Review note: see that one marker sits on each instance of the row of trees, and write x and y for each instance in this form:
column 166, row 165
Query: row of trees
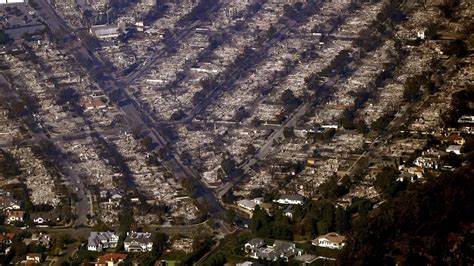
column 199, row 12
column 245, row 60
column 369, row 40
column 390, row 15
column 348, row 118
column 116, row 159
column 312, row 219
column 338, row 65
column 416, row 85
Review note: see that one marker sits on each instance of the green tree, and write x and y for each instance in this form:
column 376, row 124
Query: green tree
column 230, row 216
column 361, row 127
column 147, row 142
column 126, row 219
column 229, row 197
column 241, row 114
column 4, row 37
column 67, row 95
column 331, row 188
column 310, row 226
column 386, row 182
column 216, row 259
column 159, row 242
column 419, row 220
column 323, row 227
column 260, row 223
column 456, row 48
column 251, row 149
column 411, row 89
column 347, row 119
column 289, row 98
column 33, row 4
column 382, row 122
column 178, row 115
column 8, row 165
column 228, row 165
column 452, row 159
column 342, row 220
column 328, row 216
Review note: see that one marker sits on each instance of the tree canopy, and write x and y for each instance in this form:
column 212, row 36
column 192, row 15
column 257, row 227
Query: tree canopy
column 426, row 225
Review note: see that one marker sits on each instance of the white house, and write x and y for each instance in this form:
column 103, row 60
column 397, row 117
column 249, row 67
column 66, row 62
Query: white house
column 257, row 249
column 426, row 162
column 247, row 263
column 7, row 202
column 466, row 119
column 33, row 258
column 330, row 240
column 106, row 31
column 252, row 247
column 291, row 199
column 5, row 2
column 289, row 212
column 454, row 148
column 10, row 204
column 138, row 242
column 99, row 241
column 247, row 204
column 44, row 217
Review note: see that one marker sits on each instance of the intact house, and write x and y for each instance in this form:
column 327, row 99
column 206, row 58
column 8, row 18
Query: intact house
column 248, row 263
column 250, row 205
column 426, row 162
column 7, row 202
column 39, row 239
column 138, row 242
column 455, row 138
column 99, row 241
column 454, row 148
column 330, row 240
column 306, row 259
column 280, row 250
column 111, row 259
column 107, row 31
column 254, row 244
column 466, row 119
column 90, row 104
column 247, row 204
column 14, row 216
column 289, row 212
column 293, row 199
column 33, row 258
column 42, row 218
column 6, row 238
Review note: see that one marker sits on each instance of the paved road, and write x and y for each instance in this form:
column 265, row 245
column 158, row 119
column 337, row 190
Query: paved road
column 82, row 205
column 162, row 51
column 155, row 57
column 131, row 110
column 266, row 148
column 71, row 137
column 55, row 23
column 278, row 134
